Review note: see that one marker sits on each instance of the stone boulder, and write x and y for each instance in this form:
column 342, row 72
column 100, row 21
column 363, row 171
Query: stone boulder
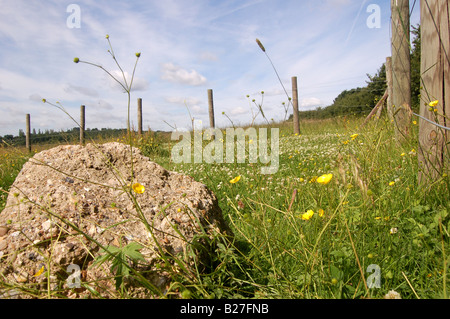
column 71, row 202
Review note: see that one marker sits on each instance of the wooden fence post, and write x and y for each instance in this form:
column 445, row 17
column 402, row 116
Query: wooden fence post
column 139, row 116
column 295, row 105
column 82, row 123
column 389, row 88
column 28, row 130
column 433, row 153
column 211, row 108
column 377, row 109
column 401, row 68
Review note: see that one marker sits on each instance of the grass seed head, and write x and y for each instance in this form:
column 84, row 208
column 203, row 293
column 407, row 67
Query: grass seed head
column 260, row 45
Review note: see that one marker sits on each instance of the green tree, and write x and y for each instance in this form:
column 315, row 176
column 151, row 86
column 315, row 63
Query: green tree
column 415, row 68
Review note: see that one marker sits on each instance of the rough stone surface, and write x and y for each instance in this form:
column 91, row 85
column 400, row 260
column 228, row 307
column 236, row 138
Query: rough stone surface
column 90, row 188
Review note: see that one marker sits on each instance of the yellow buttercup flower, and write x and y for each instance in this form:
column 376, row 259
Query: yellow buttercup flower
column 321, row 212
column 391, row 183
column 309, row 213
column 138, row 188
column 235, row 180
column 433, row 103
column 354, row 136
column 324, row 179
column 39, row 272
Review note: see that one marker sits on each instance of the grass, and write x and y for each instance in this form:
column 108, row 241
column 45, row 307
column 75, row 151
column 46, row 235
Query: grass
column 374, row 214
column 375, row 219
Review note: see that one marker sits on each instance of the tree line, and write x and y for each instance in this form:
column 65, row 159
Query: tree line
column 68, row 136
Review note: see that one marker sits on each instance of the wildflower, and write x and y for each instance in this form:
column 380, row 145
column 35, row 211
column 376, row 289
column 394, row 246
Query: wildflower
column 138, row 188
column 107, row 36
column 393, row 230
column 39, row 272
column 76, row 60
column 44, row 100
column 324, row 179
column 309, row 213
column 138, row 54
column 391, row 183
column 235, row 180
column 433, row 103
column 392, row 294
column 353, row 136
column 415, row 122
column 402, row 154
column 321, row 212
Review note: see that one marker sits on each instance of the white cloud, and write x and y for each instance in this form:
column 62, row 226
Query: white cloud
column 309, row 102
column 183, row 100
column 83, row 90
column 139, row 84
column 192, row 103
column 176, row 74
column 208, row 56
column 35, row 97
column 102, row 104
column 239, row 110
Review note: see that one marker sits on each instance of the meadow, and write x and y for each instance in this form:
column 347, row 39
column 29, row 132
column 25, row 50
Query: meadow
column 364, row 231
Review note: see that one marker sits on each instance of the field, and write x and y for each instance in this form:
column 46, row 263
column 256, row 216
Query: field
column 369, row 231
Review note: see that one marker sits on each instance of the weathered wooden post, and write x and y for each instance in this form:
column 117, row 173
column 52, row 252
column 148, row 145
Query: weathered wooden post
column 295, row 105
column 401, row 68
column 27, row 134
column 211, row 108
column 139, row 116
column 82, row 123
column 390, row 92
column 433, row 152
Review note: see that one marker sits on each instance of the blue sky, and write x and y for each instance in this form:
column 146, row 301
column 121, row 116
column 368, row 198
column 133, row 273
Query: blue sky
column 187, row 47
